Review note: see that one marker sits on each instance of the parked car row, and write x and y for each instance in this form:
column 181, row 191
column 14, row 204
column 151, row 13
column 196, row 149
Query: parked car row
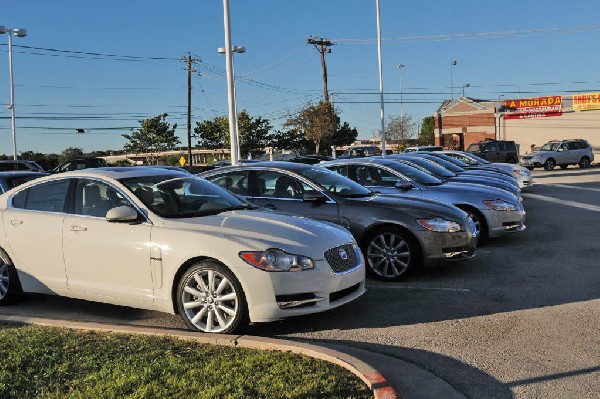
column 254, row 242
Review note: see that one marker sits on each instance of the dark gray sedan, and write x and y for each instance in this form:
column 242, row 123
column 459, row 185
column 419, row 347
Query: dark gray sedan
column 396, row 235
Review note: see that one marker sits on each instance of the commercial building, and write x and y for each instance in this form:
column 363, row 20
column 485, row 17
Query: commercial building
column 529, row 122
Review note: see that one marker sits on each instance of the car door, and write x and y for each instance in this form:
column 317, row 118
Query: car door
column 33, row 223
column 284, row 192
column 102, row 258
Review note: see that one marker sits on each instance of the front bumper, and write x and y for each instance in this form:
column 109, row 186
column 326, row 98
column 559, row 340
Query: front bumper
column 277, row 295
column 442, row 247
column 504, row 222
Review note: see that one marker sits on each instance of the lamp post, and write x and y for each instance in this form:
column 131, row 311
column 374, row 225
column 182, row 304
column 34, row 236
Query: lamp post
column 228, row 50
column 399, row 67
column 380, row 78
column 465, row 86
column 17, row 33
column 452, row 79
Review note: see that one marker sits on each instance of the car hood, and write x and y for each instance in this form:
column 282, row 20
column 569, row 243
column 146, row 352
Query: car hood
column 475, row 189
column 424, row 207
column 541, row 153
column 261, row 230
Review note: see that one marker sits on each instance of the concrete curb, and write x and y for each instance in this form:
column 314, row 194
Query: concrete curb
column 373, row 378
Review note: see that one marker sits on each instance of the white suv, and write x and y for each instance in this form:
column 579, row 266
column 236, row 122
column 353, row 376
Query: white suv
column 562, row 153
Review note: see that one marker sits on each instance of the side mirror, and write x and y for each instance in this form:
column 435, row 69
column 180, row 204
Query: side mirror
column 315, row 197
column 122, row 214
column 403, row 185
column 560, row 149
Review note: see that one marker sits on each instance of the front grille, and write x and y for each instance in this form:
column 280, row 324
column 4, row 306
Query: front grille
column 336, row 296
column 341, row 258
column 526, row 157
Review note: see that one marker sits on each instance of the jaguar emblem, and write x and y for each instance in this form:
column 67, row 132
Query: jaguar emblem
column 343, row 254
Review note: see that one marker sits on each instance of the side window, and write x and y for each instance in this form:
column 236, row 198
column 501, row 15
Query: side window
column 236, row 182
column 510, row 146
column 5, row 166
column 492, row 147
column 373, row 176
column 340, row 169
column 501, row 146
column 47, row 197
column 93, row 198
column 278, row 185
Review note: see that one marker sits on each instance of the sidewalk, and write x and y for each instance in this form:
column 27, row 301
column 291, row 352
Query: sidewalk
column 388, row 377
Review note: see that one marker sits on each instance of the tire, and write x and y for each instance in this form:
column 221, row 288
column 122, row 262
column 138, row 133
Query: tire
column 584, row 163
column 511, row 160
column 479, row 221
column 210, row 299
column 550, row 164
column 391, row 254
column 563, row 166
column 530, row 167
column 10, row 287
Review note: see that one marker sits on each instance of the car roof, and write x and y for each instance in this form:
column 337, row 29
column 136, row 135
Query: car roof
column 294, row 166
column 377, row 159
column 124, row 172
column 22, row 173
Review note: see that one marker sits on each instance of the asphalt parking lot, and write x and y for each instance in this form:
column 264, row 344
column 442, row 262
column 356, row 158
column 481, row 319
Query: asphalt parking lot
column 519, row 320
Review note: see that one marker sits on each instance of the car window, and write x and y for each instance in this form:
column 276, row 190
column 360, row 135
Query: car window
column 473, row 148
column 6, row 166
column 93, row 198
column 552, row 146
column 236, row 182
column 374, row 176
column 18, row 180
column 48, row 197
column 510, row 146
column 279, row 185
column 492, row 147
column 415, row 174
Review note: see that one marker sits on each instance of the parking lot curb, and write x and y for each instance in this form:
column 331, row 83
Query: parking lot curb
column 382, row 388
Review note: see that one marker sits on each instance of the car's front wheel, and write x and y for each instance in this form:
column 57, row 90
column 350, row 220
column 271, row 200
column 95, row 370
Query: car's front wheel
column 584, row 163
column 550, row 164
column 391, row 254
column 10, row 287
column 210, row 299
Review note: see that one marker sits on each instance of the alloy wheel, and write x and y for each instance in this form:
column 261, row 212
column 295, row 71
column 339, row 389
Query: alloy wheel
column 4, row 279
column 389, row 255
column 210, row 301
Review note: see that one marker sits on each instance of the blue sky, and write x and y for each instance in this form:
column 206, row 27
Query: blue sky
column 58, row 92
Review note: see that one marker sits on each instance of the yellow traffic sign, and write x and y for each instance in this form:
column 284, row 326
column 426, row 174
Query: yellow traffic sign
column 182, row 161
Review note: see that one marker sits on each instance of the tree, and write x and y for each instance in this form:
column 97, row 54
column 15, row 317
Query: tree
column 213, row 134
column 70, row 153
column 426, row 135
column 254, row 134
column 155, row 135
column 344, row 135
column 291, row 140
column 315, row 122
column 399, row 129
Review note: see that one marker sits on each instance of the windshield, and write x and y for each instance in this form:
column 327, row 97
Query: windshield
column 443, row 163
column 478, row 159
column 336, row 183
column 550, row 146
column 415, row 174
column 473, row 148
column 182, row 197
column 431, row 167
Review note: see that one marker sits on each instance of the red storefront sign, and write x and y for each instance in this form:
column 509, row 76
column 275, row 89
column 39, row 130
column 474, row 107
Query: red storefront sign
column 539, row 107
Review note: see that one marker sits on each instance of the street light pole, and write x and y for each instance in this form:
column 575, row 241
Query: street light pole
column 399, row 67
column 233, row 126
column 464, row 86
column 380, row 79
column 18, row 33
column 452, row 79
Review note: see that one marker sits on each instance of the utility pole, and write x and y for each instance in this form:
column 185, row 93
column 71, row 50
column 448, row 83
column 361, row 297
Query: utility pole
column 189, row 60
column 322, row 47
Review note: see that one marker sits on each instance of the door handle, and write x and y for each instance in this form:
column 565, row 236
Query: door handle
column 270, row 206
column 16, row 222
column 78, row 228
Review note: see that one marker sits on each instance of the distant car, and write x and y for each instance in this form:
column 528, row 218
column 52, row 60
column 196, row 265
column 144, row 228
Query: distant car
column 562, row 153
column 424, row 148
column 495, row 212
column 396, row 235
column 20, row 164
column 79, row 164
column 495, row 151
column 361, row 151
column 163, row 240
column 10, row 180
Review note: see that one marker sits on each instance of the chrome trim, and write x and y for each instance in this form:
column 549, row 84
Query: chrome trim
column 293, row 304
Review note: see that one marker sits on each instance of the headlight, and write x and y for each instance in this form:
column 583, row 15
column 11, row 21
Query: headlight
column 440, row 225
column 276, row 260
column 499, row 205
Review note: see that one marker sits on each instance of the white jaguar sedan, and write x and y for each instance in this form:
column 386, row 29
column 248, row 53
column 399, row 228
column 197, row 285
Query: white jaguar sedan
column 163, row 240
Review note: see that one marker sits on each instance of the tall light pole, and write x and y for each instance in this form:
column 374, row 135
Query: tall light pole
column 399, row 67
column 465, row 86
column 231, row 95
column 380, row 78
column 452, row 79
column 17, row 33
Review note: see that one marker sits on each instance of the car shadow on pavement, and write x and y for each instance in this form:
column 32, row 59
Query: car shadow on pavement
column 567, row 172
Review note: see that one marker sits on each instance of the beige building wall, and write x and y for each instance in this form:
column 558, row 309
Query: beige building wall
column 537, row 131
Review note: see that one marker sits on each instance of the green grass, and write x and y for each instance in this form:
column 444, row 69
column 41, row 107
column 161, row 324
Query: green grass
column 43, row 362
